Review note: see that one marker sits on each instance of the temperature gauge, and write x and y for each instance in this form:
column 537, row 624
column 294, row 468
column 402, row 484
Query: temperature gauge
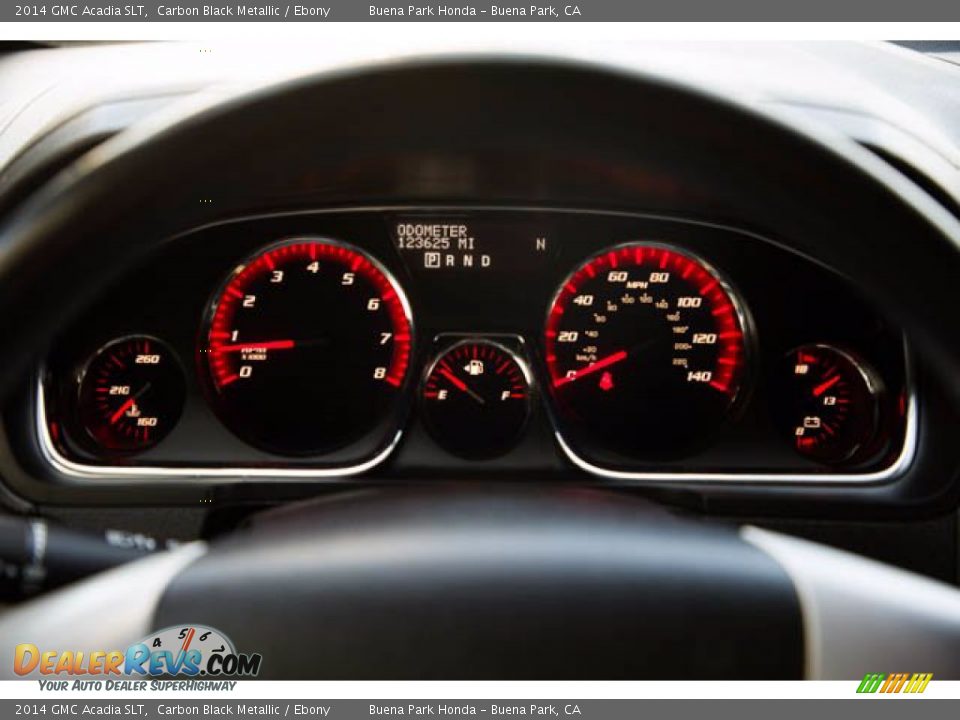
column 131, row 394
column 828, row 401
column 476, row 399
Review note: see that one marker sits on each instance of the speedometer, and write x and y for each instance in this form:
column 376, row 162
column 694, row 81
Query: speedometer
column 306, row 346
column 646, row 351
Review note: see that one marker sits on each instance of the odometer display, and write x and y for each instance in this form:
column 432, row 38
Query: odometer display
column 306, row 346
column 645, row 349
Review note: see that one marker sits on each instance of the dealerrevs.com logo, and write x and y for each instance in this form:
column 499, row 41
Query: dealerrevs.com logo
column 911, row 683
column 192, row 651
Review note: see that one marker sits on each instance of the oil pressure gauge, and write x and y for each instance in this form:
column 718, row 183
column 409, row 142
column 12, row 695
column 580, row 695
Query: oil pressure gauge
column 828, row 403
column 476, row 399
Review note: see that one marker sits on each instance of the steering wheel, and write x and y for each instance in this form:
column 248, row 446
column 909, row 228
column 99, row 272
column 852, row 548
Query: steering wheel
column 505, row 583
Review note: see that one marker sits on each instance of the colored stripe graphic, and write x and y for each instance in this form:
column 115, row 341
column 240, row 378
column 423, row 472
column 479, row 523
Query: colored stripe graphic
column 913, row 683
column 871, row 682
column 919, row 682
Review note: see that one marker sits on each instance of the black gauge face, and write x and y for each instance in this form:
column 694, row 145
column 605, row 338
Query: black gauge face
column 131, row 394
column 646, row 350
column 827, row 403
column 476, row 399
column 307, row 346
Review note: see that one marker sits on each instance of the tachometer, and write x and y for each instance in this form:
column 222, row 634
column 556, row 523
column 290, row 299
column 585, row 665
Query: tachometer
column 646, row 350
column 307, row 345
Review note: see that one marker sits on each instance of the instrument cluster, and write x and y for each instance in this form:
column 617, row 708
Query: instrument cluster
column 424, row 341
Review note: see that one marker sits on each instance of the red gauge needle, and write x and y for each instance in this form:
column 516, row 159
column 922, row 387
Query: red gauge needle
column 123, row 408
column 127, row 405
column 592, row 368
column 268, row 345
column 826, row 385
column 461, row 385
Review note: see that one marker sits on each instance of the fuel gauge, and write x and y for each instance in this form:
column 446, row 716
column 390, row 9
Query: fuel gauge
column 828, row 403
column 476, row 399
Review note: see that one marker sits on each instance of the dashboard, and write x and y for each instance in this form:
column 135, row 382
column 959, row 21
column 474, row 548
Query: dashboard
column 548, row 309
column 481, row 341
column 492, row 294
